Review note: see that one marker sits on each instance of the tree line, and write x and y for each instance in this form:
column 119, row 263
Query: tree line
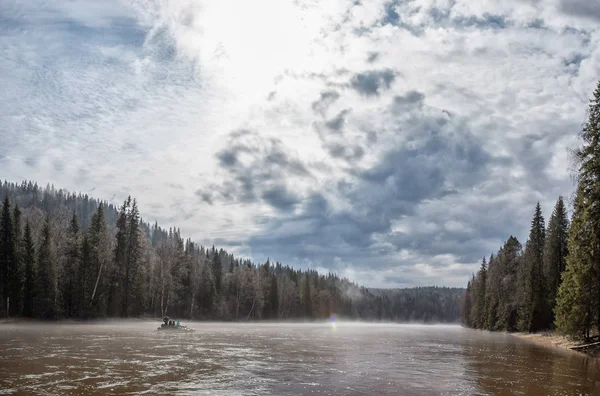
column 64, row 255
column 554, row 282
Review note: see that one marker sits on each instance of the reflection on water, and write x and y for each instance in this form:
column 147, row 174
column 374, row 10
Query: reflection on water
column 285, row 359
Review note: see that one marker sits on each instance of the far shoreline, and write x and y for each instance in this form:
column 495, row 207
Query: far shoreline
column 550, row 338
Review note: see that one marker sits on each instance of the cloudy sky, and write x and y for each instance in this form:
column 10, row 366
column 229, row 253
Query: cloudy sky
column 394, row 142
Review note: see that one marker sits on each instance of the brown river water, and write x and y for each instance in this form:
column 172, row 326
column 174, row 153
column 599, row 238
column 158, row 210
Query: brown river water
column 284, row 359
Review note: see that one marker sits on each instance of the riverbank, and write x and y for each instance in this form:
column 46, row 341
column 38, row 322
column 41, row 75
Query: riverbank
column 557, row 340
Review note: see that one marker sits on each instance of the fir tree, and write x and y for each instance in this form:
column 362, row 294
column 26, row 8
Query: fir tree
column 46, row 276
column 7, row 254
column 217, row 271
column 84, row 278
column 575, row 304
column 555, row 253
column 131, row 288
column 69, row 274
column 466, row 314
column 15, row 275
column 274, row 297
column 531, row 293
column 98, row 236
column 509, row 261
column 479, row 288
column 306, row 298
column 29, row 284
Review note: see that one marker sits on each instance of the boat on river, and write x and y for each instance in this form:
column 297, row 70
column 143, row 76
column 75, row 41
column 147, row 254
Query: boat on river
column 180, row 329
column 171, row 325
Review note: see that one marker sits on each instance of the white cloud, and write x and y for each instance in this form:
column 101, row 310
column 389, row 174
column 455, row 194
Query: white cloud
column 131, row 97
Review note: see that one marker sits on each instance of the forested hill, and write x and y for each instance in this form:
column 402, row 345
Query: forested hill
column 64, row 255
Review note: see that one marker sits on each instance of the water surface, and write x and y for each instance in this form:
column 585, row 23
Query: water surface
column 285, row 359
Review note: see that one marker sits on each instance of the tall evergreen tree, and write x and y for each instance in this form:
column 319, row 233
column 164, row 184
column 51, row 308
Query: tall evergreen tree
column 306, row 297
column 509, row 261
column 130, row 273
column 30, row 278
column 555, row 253
column 466, row 313
column 478, row 290
column 84, row 278
column 217, row 271
column 99, row 257
column 575, row 306
column 15, row 275
column 117, row 272
column 46, row 276
column 70, row 269
column 127, row 259
column 7, row 253
column 531, row 288
column 273, row 297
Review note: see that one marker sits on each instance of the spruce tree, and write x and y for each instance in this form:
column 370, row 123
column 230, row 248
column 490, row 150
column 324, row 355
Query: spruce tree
column 15, row 274
column 274, row 297
column 555, row 253
column 575, row 305
column 306, row 299
column 84, row 278
column 30, row 278
column 217, row 270
column 98, row 236
column 117, row 273
column 7, row 254
column 479, row 287
column 133, row 275
column 531, row 295
column 69, row 275
column 45, row 306
column 509, row 261
column 466, row 314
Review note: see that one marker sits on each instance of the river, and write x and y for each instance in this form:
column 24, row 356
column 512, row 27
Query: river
column 284, row 359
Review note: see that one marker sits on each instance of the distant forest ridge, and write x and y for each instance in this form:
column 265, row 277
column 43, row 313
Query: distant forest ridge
column 65, row 255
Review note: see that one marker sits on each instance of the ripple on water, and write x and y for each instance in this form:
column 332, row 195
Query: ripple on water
column 286, row 360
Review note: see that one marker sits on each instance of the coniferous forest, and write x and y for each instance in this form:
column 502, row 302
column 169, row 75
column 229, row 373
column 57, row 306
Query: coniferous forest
column 66, row 255
column 553, row 282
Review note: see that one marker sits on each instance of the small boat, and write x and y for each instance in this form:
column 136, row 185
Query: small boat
column 180, row 329
column 171, row 325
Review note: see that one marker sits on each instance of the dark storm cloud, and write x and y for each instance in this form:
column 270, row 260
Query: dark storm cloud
column 257, row 168
column 327, row 98
column 442, row 159
column 411, row 98
column 349, row 153
column 391, row 16
column 280, row 197
column 369, row 83
column 373, row 56
column 336, row 124
column 204, row 196
column 583, row 8
column 488, row 21
column 227, row 158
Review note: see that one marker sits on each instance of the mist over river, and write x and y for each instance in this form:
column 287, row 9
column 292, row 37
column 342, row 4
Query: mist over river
column 114, row 358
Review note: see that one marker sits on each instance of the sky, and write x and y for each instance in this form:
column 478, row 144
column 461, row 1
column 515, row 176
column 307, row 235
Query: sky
column 393, row 142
